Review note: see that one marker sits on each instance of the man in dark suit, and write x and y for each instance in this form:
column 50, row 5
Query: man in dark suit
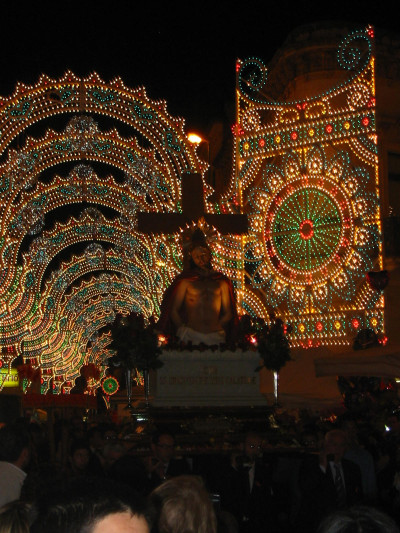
column 328, row 482
column 162, row 464
column 246, row 489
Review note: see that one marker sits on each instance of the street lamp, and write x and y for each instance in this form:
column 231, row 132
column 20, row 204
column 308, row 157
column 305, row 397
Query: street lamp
column 199, row 141
column 194, row 138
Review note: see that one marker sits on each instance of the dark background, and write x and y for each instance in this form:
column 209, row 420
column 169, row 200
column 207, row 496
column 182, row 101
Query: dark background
column 184, row 53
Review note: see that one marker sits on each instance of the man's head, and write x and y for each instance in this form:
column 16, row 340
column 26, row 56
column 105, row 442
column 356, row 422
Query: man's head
column 252, row 446
column 79, row 455
column 360, row 519
column 15, row 445
column 335, row 444
column 351, row 430
column 121, row 522
column 95, row 437
column 77, row 427
column 201, row 257
column 90, row 506
column 196, row 250
column 163, row 446
column 113, row 451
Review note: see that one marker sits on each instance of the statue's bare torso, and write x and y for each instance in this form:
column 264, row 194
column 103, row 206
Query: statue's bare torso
column 206, row 300
column 206, row 303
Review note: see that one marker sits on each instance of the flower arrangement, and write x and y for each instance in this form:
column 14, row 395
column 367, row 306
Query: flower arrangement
column 273, row 344
column 136, row 345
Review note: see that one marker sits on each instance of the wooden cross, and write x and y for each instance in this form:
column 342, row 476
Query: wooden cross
column 192, row 211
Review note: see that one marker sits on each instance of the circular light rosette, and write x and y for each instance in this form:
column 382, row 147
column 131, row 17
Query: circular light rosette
column 307, row 230
column 313, row 233
column 110, row 385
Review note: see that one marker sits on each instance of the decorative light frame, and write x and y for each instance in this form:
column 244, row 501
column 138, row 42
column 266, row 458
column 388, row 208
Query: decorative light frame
column 306, row 173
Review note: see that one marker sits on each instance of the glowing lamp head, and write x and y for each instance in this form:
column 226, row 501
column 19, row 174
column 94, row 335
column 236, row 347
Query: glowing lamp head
column 194, row 138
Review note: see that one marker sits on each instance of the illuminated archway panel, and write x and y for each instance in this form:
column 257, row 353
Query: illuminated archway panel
column 41, row 318
column 307, row 172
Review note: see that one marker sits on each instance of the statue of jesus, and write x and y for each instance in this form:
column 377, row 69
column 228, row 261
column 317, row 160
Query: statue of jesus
column 199, row 306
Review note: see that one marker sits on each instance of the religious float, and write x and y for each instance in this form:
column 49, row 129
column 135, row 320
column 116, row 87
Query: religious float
column 92, row 220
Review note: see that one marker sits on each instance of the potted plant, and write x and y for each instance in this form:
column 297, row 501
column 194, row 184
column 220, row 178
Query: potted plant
column 137, row 349
column 274, row 349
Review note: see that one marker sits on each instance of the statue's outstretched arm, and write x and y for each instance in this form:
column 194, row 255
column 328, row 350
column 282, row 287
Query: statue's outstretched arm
column 226, row 307
column 177, row 303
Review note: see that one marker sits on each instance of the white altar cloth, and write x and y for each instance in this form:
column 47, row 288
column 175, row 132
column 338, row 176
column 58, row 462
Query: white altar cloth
column 207, row 378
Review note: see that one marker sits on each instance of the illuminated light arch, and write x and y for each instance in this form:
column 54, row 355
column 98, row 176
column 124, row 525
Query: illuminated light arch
column 319, row 152
column 307, row 175
column 115, row 286
column 100, row 229
column 72, row 191
column 67, row 359
column 55, row 306
column 36, row 314
column 122, row 292
column 91, row 95
column 81, row 188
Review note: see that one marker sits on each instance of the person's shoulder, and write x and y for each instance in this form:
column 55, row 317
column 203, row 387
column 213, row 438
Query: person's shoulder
column 310, row 460
column 7, row 466
column 348, row 462
column 351, row 466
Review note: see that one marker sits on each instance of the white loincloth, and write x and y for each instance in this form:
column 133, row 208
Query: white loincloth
column 186, row 334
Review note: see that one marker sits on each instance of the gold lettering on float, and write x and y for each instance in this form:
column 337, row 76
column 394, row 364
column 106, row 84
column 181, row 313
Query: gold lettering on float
column 208, row 380
column 210, row 370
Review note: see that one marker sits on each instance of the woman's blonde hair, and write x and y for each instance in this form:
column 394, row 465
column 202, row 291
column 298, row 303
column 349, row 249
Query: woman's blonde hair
column 14, row 517
column 183, row 505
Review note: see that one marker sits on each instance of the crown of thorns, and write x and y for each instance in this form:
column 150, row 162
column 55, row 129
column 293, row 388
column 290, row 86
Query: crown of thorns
column 198, row 234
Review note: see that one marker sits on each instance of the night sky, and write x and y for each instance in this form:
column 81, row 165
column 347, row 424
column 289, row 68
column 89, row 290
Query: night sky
column 185, row 55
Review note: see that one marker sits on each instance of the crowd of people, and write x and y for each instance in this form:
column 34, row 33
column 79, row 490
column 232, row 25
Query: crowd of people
column 94, row 481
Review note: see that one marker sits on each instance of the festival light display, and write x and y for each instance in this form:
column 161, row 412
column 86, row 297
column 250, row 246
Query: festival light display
column 71, row 256
column 306, row 173
column 64, row 278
